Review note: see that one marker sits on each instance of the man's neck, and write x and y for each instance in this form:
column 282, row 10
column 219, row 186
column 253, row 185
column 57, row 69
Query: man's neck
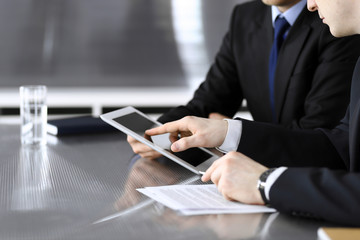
column 283, row 8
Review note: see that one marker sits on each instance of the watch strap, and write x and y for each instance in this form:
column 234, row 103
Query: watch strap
column 261, row 184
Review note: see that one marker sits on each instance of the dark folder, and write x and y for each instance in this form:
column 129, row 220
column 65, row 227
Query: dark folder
column 78, row 125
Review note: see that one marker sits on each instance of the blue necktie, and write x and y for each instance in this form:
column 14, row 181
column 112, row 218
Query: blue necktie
column 281, row 26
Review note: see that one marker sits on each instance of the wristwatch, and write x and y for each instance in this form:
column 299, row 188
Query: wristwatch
column 262, row 183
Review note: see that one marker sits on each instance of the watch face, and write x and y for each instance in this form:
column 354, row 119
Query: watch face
column 261, row 184
column 258, row 184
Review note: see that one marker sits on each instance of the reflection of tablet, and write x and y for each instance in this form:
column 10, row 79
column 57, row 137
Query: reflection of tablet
column 134, row 123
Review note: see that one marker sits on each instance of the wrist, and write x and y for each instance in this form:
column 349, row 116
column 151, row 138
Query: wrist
column 225, row 131
column 258, row 200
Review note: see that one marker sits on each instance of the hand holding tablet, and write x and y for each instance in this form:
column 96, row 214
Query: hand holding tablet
column 192, row 131
column 134, row 123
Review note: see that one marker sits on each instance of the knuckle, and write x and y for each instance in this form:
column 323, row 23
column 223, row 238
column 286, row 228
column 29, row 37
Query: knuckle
column 233, row 155
column 135, row 150
column 221, row 186
column 224, row 189
column 188, row 118
column 165, row 126
column 213, row 179
column 202, row 142
column 227, row 161
column 226, row 183
column 183, row 144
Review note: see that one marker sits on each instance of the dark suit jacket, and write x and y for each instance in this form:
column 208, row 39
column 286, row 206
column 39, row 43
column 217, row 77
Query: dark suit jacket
column 313, row 76
column 319, row 192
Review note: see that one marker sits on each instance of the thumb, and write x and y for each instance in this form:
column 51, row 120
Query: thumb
column 183, row 144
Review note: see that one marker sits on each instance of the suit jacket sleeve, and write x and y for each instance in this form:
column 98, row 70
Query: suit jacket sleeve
column 320, row 193
column 275, row 146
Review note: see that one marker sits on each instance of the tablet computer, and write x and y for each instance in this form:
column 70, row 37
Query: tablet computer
column 134, row 123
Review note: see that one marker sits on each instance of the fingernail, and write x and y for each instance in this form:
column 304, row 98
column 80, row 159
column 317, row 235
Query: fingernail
column 175, row 146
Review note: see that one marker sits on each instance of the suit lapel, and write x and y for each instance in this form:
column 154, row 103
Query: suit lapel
column 261, row 37
column 354, row 138
column 354, row 125
column 264, row 30
column 293, row 44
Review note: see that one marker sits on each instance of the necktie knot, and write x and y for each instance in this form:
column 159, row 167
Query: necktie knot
column 281, row 25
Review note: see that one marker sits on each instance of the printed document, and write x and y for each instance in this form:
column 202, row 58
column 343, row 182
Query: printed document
column 198, row 200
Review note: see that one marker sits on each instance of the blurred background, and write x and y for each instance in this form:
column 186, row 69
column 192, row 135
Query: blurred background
column 100, row 55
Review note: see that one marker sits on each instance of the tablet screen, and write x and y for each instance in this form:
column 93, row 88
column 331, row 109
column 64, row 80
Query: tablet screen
column 139, row 124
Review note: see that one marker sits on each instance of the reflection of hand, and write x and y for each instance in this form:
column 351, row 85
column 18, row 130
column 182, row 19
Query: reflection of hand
column 144, row 173
column 226, row 226
column 194, row 132
column 236, row 177
column 217, row 116
column 235, row 226
column 142, row 149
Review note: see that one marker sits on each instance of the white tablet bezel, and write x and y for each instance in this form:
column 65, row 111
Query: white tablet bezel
column 109, row 118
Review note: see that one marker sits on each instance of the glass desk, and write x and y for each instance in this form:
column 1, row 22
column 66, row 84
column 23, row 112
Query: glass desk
column 62, row 190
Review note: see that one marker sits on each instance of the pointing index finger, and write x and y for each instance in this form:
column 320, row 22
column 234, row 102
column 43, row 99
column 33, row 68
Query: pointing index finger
column 169, row 127
column 155, row 131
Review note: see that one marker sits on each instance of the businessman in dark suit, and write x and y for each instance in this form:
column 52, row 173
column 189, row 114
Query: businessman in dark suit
column 315, row 191
column 332, row 195
column 312, row 68
column 311, row 82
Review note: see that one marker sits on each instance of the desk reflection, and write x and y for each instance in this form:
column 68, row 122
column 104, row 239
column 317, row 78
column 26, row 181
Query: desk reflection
column 144, row 173
column 32, row 185
column 59, row 190
column 225, row 226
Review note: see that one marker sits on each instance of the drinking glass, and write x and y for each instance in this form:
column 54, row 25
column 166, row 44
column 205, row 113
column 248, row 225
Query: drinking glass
column 33, row 114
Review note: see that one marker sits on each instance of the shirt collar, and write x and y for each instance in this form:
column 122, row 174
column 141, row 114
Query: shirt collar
column 290, row 15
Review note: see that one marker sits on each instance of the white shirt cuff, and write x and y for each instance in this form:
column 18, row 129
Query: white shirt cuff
column 272, row 179
column 233, row 136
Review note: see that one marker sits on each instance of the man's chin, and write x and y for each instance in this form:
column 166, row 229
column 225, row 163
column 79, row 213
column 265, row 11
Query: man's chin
column 336, row 33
